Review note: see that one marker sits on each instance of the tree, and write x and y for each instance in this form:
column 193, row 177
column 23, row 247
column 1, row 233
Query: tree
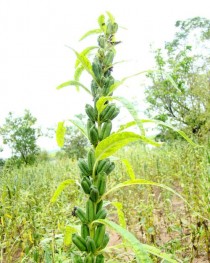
column 180, row 84
column 75, row 145
column 1, row 160
column 21, row 136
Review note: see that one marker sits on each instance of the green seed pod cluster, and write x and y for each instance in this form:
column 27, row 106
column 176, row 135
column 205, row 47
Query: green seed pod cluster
column 93, row 237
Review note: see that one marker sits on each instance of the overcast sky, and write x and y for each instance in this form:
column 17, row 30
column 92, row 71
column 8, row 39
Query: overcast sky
column 34, row 58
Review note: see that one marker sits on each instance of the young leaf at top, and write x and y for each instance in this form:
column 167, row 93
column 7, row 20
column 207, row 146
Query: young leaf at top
column 111, row 17
column 101, row 22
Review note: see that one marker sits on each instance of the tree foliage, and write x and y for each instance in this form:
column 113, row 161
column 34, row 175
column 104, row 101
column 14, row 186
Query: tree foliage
column 180, row 83
column 21, row 136
column 75, row 145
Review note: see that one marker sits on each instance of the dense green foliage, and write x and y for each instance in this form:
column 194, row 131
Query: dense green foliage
column 75, row 143
column 32, row 229
column 179, row 90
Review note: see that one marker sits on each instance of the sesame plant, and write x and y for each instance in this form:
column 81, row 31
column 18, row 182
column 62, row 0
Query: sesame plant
column 92, row 238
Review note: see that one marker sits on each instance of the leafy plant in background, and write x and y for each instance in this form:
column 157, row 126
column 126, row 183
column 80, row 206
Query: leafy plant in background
column 75, row 144
column 21, row 136
column 95, row 169
column 186, row 60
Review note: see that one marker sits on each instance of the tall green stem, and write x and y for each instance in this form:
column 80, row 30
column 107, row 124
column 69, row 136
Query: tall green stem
column 94, row 173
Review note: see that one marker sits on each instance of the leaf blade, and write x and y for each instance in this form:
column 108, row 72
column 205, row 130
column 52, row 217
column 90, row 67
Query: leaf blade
column 120, row 213
column 101, row 22
column 140, row 252
column 100, row 104
column 111, row 17
column 129, row 169
column 84, row 61
column 116, row 141
column 73, row 83
column 77, row 74
column 60, row 133
column 60, row 188
column 91, row 32
column 86, row 51
column 69, row 230
column 118, row 83
column 130, row 107
column 80, row 126
column 173, row 128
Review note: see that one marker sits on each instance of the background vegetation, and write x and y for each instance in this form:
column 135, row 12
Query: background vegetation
column 32, row 229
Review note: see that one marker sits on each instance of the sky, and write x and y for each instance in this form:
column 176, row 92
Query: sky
column 35, row 59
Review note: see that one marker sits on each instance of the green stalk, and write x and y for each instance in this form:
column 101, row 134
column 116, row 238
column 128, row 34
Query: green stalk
column 93, row 172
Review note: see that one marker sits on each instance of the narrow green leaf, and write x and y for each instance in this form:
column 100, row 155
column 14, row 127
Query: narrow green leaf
column 140, row 253
column 100, row 105
column 74, row 83
column 91, row 32
column 77, row 74
column 133, row 123
column 141, row 250
column 126, row 125
column 157, row 252
column 63, row 85
column 69, row 230
column 60, row 188
column 120, row 213
column 80, row 126
column 60, row 133
column 129, row 169
column 171, row 127
column 116, row 141
column 85, row 52
column 118, row 83
column 113, row 143
column 84, row 61
column 130, row 107
column 119, row 62
column 114, row 86
column 146, row 182
column 111, row 17
column 142, row 182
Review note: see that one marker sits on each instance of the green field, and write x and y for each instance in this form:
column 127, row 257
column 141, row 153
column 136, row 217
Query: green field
column 32, row 229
